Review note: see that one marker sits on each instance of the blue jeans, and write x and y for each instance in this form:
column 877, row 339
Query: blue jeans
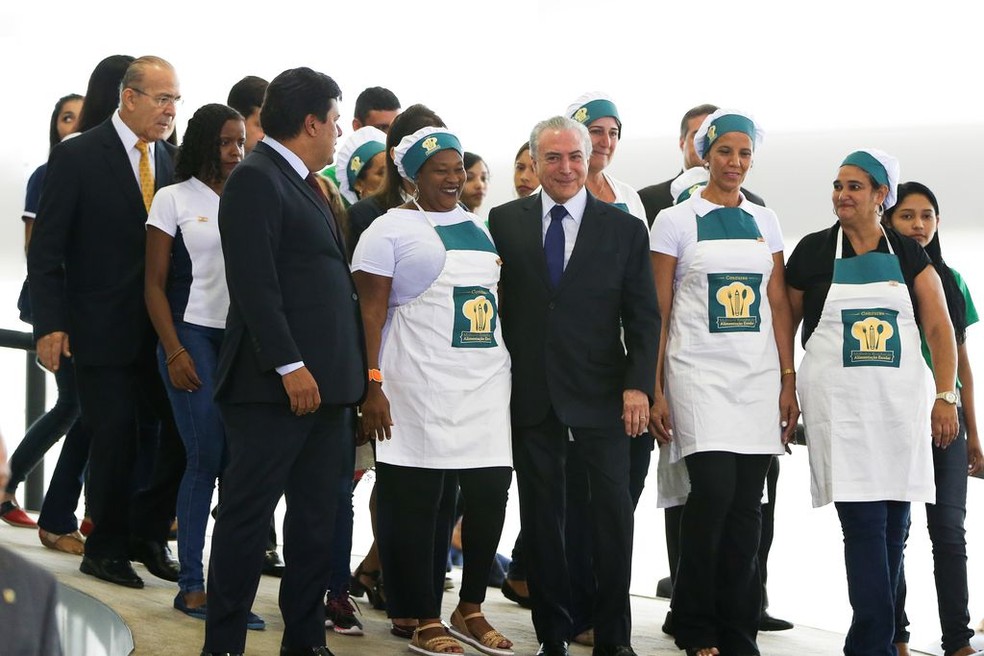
column 62, row 497
column 945, row 520
column 874, row 535
column 200, row 426
column 341, row 537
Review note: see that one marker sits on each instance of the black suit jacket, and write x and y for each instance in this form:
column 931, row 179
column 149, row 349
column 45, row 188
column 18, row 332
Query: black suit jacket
column 86, row 258
column 657, row 197
column 291, row 293
column 566, row 343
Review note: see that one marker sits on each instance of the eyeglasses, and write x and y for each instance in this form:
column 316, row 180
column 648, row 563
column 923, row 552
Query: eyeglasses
column 161, row 101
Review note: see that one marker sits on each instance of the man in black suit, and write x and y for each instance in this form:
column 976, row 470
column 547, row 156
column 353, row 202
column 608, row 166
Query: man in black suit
column 658, row 197
column 85, row 263
column 575, row 276
column 291, row 368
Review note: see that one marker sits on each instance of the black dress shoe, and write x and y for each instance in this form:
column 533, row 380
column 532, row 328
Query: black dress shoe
column 114, row 570
column 305, row 651
column 220, row 653
column 769, row 623
column 668, row 623
column 552, row 649
column 156, row 557
column 272, row 565
column 613, row 650
column 664, row 588
column 510, row 593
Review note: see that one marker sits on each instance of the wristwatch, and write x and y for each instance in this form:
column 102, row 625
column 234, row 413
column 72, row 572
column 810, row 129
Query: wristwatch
column 948, row 397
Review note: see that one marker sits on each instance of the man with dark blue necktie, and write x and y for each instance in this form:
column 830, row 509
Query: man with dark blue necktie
column 575, row 276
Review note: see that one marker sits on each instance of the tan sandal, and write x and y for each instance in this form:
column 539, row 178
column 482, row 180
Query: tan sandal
column 439, row 646
column 70, row 543
column 487, row 644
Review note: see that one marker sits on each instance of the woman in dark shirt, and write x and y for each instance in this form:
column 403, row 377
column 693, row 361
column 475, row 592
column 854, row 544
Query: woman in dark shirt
column 864, row 292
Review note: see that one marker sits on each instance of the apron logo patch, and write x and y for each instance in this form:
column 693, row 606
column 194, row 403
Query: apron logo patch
column 871, row 338
column 475, row 316
column 733, row 302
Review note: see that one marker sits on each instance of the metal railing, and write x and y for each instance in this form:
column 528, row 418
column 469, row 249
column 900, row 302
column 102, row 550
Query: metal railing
column 33, row 406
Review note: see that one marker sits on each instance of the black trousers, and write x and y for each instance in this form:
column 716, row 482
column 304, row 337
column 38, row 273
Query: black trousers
column 271, row 453
column 415, row 513
column 717, row 596
column 115, row 401
column 540, row 453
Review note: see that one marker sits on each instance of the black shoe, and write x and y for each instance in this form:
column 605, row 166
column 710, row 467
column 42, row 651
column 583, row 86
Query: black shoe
column 272, row 565
column 664, row 588
column 156, row 557
column 305, row 651
column 613, row 650
column 510, row 593
column 220, row 653
column 769, row 623
column 552, row 649
column 114, row 570
column 668, row 623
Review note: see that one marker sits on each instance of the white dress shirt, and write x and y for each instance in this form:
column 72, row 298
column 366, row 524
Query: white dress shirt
column 570, row 223
column 130, row 140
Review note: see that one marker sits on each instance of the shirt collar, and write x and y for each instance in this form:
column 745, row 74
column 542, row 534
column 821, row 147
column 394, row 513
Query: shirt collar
column 127, row 136
column 295, row 162
column 574, row 205
column 703, row 206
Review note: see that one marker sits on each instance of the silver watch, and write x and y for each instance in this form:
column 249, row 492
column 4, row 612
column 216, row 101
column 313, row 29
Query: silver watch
column 948, row 397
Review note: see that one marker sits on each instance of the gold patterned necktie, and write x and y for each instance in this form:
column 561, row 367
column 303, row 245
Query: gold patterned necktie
column 146, row 176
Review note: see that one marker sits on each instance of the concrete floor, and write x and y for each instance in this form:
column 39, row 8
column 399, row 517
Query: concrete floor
column 159, row 629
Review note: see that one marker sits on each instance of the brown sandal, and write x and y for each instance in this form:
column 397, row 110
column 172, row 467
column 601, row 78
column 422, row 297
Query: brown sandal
column 70, row 543
column 439, row 646
column 487, row 644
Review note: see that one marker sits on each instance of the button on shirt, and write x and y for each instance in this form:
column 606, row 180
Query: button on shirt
column 571, row 223
column 130, row 140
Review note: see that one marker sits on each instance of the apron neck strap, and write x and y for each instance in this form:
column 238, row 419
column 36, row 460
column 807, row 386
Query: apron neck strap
column 839, row 252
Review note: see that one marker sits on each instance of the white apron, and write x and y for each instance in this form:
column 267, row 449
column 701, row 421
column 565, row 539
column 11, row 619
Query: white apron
column 722, row 363
column 865, row 389
column 446, row 371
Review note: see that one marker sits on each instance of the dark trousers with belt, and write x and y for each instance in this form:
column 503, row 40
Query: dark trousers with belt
column 115, row 401
column 540, row 453
column 717, row 594
column 271, row 453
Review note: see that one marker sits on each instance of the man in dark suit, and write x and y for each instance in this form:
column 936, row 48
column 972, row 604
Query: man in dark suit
column 291, row 368
column 658, row 197
column 86, row 266
column 575, row 276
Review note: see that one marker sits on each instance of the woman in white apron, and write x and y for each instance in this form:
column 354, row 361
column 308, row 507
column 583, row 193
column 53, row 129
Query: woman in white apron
column 917, row 215
column 868, row 397
column 427, row 275
column 726, row 398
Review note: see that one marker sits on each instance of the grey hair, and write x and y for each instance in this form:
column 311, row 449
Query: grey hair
column 134, row 74
column 563, row 124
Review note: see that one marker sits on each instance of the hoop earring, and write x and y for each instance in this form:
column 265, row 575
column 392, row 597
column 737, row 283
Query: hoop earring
column 707, row 165
column 416, row 193
column 880, row 211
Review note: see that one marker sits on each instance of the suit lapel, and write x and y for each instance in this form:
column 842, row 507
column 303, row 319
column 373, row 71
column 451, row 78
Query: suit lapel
column 531, row 225
column 163, row 165
column 302, row 188
column 588, row 237
column 119, row 165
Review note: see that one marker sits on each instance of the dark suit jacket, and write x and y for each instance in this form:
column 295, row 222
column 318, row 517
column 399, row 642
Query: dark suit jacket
column 657, row 197
column 28, row 621
column 566, row 343
column 86, row 258
column 291, row 293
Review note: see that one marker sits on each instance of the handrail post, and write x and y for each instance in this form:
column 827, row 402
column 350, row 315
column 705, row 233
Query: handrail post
column 34, row 408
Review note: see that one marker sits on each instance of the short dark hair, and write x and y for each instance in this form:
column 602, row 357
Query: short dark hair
column 246, row 96
column 471, row 159
column 102, row 96
column 694, row 112
column 53, row 136
column 198, row 155
column 373, row 99
column 412, row 119
column 292, row 96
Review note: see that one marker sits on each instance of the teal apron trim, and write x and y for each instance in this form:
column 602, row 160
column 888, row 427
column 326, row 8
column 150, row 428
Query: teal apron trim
column 621, row 206
column 727, row 223
column 867, row 268
column 464, row 236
